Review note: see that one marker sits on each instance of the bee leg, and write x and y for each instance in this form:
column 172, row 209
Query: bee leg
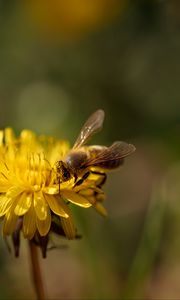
column 84, row 177
column 75, row 178
column 104, row 177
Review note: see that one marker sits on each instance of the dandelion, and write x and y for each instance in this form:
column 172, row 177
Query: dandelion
column 41, row 178
column 30, row 198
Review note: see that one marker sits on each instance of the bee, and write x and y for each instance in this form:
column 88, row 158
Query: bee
column 82, row 160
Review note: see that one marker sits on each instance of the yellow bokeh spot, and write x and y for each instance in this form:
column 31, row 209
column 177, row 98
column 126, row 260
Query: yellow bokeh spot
column 71, row 19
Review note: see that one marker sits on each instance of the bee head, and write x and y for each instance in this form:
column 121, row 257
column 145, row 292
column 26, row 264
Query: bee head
column 63, row 171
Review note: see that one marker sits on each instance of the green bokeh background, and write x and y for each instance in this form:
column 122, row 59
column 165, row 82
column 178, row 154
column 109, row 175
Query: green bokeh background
column 129, row 66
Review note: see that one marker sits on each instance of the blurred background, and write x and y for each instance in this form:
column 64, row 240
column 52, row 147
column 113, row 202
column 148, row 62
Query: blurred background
column 59, row 62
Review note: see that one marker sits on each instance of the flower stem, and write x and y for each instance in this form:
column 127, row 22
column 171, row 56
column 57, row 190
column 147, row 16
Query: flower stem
column 36, row 272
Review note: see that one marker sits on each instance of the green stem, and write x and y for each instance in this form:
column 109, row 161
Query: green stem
column 36, row 272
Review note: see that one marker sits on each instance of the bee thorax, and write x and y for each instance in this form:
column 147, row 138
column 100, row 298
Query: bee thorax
column 76, row 159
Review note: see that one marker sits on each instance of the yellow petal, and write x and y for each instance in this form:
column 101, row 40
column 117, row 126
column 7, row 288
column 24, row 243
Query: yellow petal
column 5, row 203
column 51, row 190
column 9, row 135
column 1, row 137
column 67, row 184
column 40, row 205
column 85, row 191
column 43, row 226
column 69, row 227
column 14, row 191
column 4, row 186
column 27, row 136
column 10, row 221
column 76, row 198
column 3, row 167
column 89, row 191
column 57, row 205
column 101, row 209
column 23, row 204
column 29, row 223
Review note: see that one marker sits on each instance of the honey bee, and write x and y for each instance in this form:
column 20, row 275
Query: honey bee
column 81, row 160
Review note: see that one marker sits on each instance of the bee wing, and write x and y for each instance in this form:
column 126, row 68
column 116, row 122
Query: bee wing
column 118, row 150
column 93, row 124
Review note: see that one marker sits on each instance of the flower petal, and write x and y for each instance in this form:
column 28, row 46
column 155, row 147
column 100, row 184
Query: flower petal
column 3, row 167
column 90, row 191
column 14, row 191
column 101, row 209
column 43, row 226
column 9, row 135
column 27, row 137
column 57, row 205
column 40, row 205
column 1, row 137
column 51, row 190
column 69, row 227
column 76, row 198
column 4, row 186
column 5, row 203
column 23, row 204
column 67, row 184
column 29, row 223
column 10, row 221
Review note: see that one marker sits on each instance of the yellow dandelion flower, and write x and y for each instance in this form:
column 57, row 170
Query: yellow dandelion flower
column 40, row 176
column 29, row 189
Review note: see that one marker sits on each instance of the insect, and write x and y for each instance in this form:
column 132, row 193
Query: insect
column 81, row 159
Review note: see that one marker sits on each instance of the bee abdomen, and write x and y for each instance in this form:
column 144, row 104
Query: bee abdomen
column 111, row 164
